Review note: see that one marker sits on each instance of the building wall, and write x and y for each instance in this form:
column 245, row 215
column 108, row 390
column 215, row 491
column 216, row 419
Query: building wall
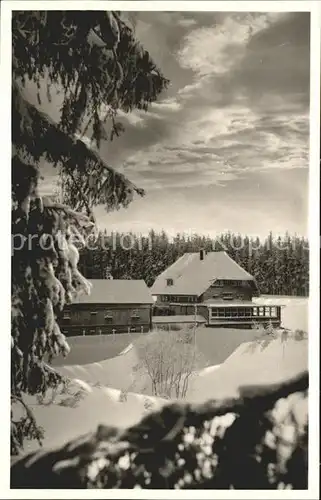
column 189, row 310
column 238, row 292
column 92, row 319
column 186, row 325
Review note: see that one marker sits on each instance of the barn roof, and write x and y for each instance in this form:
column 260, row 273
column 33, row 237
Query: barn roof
column 117, row 292
column 192, row 276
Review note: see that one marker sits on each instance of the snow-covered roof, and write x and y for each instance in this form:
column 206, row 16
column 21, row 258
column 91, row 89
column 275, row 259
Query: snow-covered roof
column 108, row 291
column 192, row 276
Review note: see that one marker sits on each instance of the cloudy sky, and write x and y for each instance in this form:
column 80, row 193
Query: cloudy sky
column 226, row 146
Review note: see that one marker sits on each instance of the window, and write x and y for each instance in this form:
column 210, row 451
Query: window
column 254, row 311
column 93, row 317
column 135, row 314
column 66, row 316
column 261, row 311
column 214, row 312
column 227, row 283
column 228, row 296
column 267, row 311
column 170, row 282
column 109, row 317
column 273, row 312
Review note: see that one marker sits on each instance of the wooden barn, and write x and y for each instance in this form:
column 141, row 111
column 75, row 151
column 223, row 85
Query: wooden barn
column 114, row 306
column 214, row 286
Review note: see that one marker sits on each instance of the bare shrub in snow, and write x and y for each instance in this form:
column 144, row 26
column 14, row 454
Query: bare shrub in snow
column 169, row 359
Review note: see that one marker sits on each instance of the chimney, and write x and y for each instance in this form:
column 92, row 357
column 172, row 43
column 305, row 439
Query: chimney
column 202, row 253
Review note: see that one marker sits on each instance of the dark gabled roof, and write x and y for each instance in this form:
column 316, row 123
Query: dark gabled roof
column 117, row 292
column 192, row 276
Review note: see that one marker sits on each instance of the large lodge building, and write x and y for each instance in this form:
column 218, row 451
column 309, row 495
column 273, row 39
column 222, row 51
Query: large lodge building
column 214, row 286
column 199, row 288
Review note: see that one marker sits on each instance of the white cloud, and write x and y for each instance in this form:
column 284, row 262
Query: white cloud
column 134, row 118
column 156, row 111
column 167, row 104
column 220, row 145
column 216, row 122
column 186, row 23
column 218, row 48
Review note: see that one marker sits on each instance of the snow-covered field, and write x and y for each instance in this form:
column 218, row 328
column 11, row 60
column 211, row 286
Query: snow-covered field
column 251, row 364
column 99, row 406
column 248, row 365
column 238, row 360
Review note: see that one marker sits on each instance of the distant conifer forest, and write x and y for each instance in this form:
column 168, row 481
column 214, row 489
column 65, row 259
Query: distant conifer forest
column 279, row 264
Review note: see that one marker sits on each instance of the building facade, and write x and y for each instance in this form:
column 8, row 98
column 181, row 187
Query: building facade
column 114, row 306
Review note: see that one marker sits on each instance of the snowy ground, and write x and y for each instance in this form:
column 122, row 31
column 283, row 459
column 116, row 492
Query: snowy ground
column 99, row 406
column 236, row 360
column 93, row 348
column 251, row 364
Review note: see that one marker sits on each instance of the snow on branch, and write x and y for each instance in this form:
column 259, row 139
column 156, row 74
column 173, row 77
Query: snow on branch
column 256, row 441
column 35, row 135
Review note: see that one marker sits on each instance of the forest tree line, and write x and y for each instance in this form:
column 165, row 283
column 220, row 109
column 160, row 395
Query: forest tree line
column 280, row 264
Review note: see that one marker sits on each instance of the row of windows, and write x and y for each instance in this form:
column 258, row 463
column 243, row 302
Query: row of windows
column 102, row 331
column 178, row 298
column 109, row 315
column 192, row 299
column 227, row 296
column 170, row 282
column 250, row 312
column 227, row 282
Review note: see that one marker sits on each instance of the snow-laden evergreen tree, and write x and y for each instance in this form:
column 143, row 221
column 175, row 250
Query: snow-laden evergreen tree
column 93, row 59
